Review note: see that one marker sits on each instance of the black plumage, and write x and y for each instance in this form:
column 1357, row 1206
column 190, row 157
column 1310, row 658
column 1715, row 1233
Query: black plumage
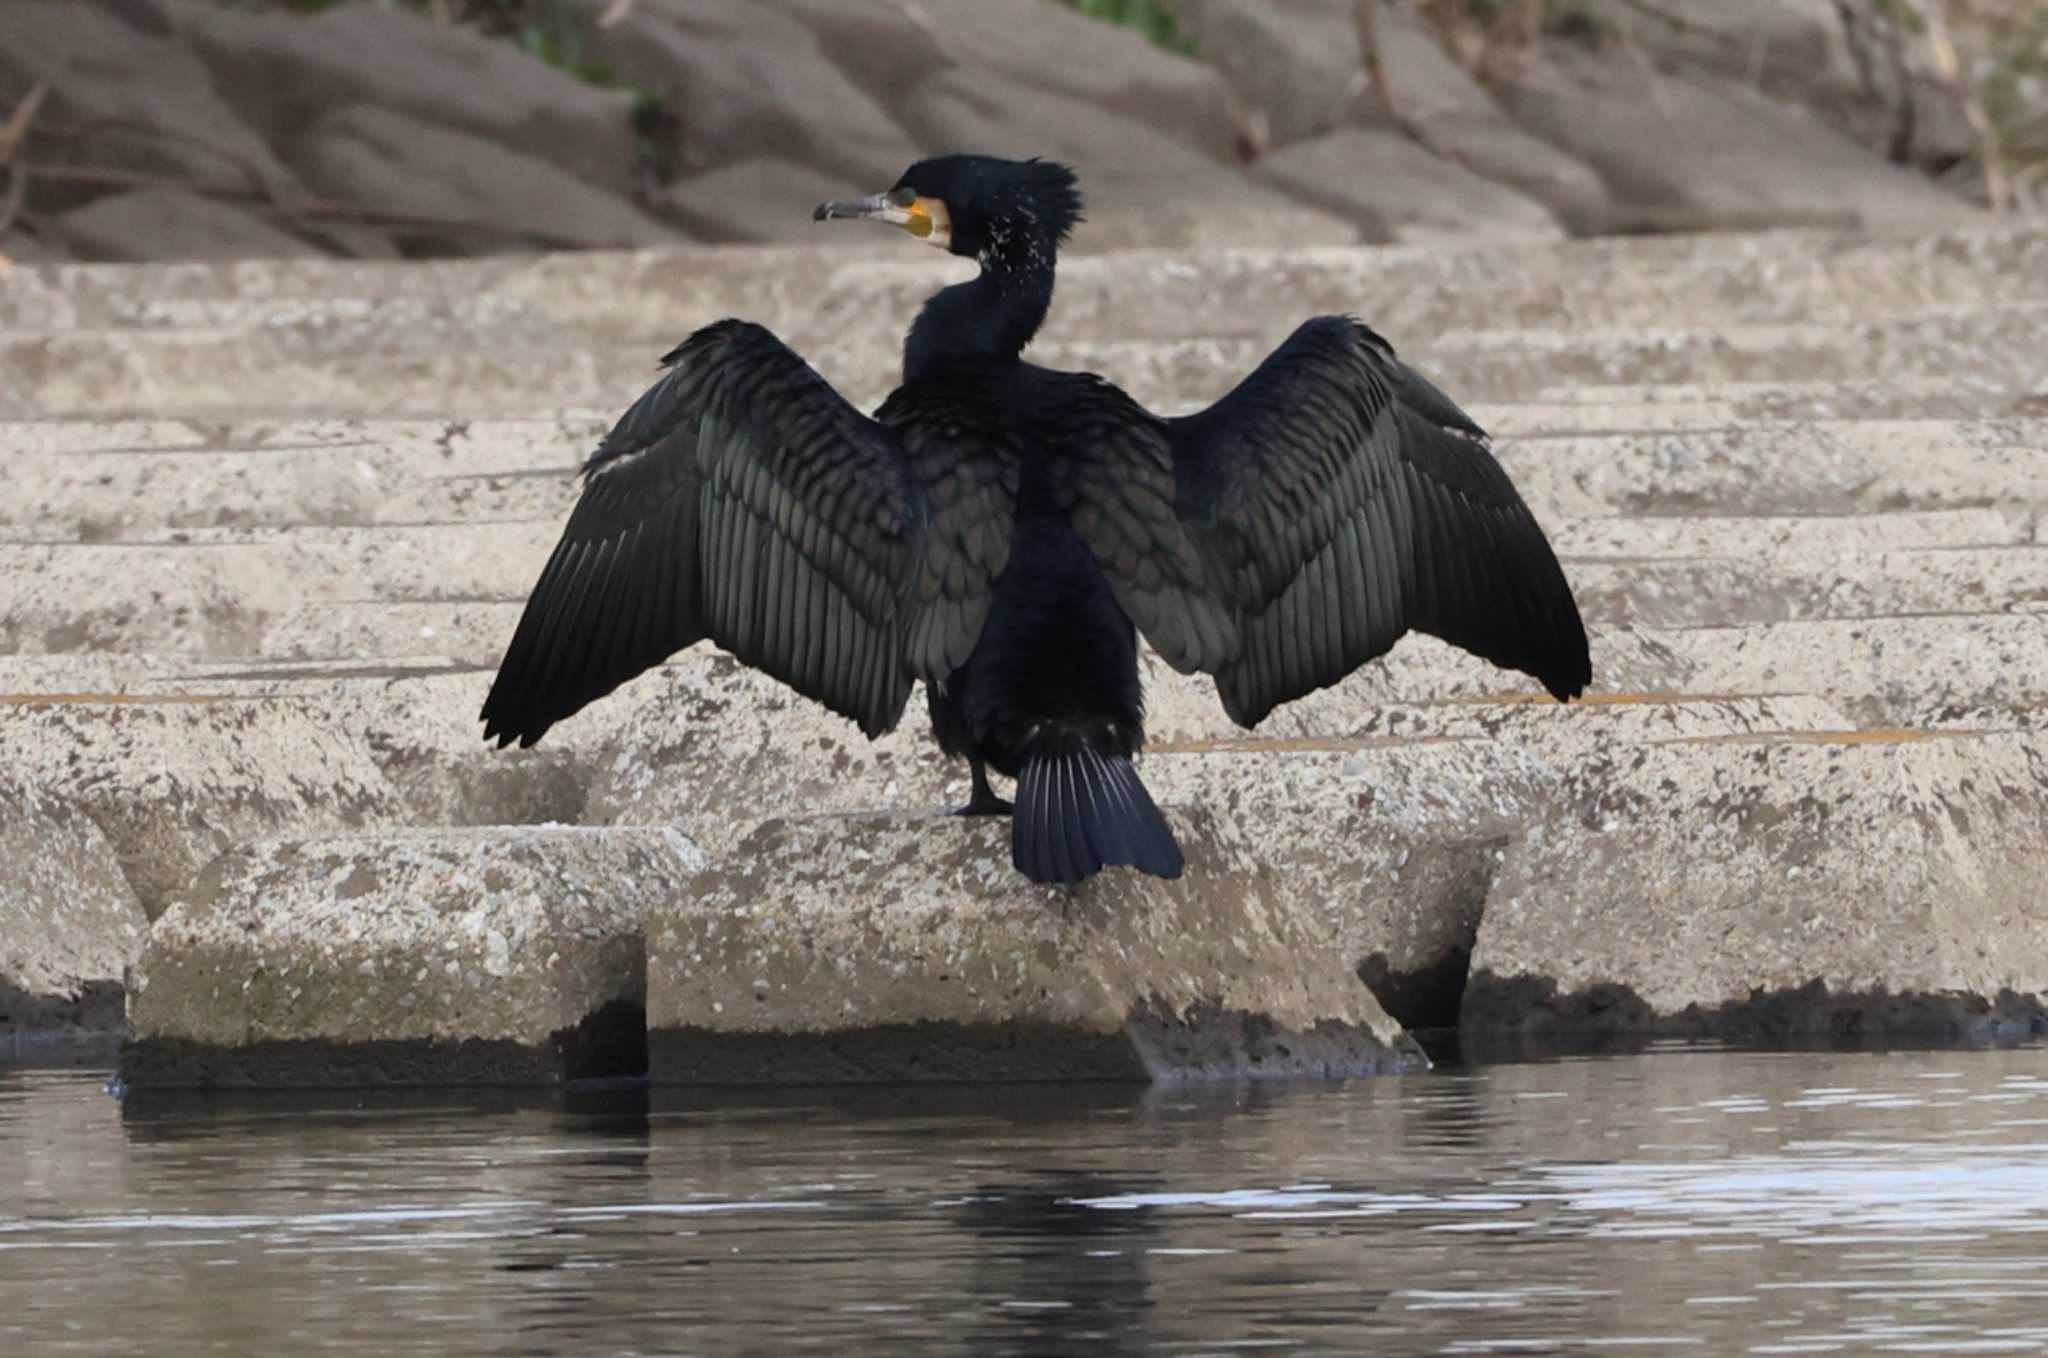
column 1004, row 532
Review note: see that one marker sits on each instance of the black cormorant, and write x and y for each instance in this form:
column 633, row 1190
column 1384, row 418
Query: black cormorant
column 1003, row 531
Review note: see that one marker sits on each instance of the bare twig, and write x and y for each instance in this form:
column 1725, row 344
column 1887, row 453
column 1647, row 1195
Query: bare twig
column 1997, row 189
column 615, row 13
column 1366, row 16
column 15, row 130
column 13, row 133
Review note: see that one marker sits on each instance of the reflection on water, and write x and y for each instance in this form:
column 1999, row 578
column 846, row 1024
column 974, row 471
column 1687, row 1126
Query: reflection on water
column 1711, row 1200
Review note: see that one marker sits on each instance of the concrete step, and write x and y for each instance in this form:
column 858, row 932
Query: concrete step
column 880, row 948
column 69, row 924
column 173, row 780
column 1866, row 887
column 1777, row 276
column 150, row 477
column 414, row 370
column 499, row 956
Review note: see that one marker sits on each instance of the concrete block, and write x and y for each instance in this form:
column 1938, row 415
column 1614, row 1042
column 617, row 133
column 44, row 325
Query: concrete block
column 417, row 722
column 1393, row 838
column 447, row 956
column 1858, row 885
column 1878, row 671
column 889, row 948
column 472, row 633
column 172, row 781
column 1711, row 591
column 192, row 600
column 69, row 923
column 1799, row 467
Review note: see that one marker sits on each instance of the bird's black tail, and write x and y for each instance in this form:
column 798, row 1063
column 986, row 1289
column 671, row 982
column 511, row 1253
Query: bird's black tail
column 1080, row 808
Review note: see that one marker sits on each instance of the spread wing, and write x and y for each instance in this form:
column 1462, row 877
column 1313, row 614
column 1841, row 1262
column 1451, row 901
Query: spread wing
column 741, row 499
column 1333, row 501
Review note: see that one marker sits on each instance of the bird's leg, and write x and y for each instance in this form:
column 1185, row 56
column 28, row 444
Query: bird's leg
column 984, row 802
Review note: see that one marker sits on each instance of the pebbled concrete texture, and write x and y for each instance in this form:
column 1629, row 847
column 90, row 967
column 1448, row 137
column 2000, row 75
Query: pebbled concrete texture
column 69, row 923
column 269, row 526
column 886, row 947
column 411, row 957
column 174, row 781
column 1845, row 884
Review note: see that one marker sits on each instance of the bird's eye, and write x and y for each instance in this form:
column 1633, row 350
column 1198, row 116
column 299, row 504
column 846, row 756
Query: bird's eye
column 903, row 197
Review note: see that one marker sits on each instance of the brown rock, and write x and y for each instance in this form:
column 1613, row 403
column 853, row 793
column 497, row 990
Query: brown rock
column 458, row 193
column 142, row 101
column 69, row 924
column 285, row 72
column 1294, row 63
column 1398, row 192
column 746, row 80
column 168, row 224
column 1051, row 46
column 1435, row 101
column 1704, row 153
column 1796, row 44
column 885, row 948
column 19, row 247
column 764, row 199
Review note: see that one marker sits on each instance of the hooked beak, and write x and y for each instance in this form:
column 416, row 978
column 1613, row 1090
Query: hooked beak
column 925, row 218
column 876, row 205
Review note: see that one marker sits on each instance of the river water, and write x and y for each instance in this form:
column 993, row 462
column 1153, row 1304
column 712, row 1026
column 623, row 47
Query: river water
column 1693, row 1199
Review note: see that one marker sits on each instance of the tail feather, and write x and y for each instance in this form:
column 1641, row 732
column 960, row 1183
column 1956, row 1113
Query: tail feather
column 1081, row 808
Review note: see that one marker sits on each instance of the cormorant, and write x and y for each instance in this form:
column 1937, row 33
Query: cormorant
column 1003, row 531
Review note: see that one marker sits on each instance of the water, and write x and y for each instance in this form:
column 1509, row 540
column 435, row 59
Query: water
column 1710, row 1201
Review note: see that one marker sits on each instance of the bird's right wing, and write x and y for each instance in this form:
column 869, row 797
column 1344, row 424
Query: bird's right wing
column 740, row 499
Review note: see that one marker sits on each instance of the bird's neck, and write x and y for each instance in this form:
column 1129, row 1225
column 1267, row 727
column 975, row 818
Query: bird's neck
column 991, row 317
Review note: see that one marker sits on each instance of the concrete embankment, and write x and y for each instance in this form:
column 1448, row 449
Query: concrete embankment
column 269, row 527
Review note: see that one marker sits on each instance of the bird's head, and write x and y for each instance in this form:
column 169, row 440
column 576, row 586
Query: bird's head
column 975, row 205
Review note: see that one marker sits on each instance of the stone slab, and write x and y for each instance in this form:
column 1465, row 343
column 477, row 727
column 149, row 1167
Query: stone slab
column 173, row 781
column 581, row 330
column 70, row 926
column 444, row 956
column 1878, row 671
column 471, row 633
column 1854, row 885
column 895, row 949
column 1781, row 276
column 415, row 718
column 1665, row 458
column 1393, row 836
column 1716, row 591
column 1805, row 467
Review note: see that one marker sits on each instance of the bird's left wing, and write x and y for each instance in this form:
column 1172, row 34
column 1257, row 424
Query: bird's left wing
column 741, row 499
column 1328, row 504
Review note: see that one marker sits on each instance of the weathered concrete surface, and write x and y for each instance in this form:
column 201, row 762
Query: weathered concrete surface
column 1796, row 480
column 887, row 948
column 69, row 924
column 174, row 781
column 415, row 718
column 582, row 331
column 1393, row 837
column 1852, row 884
column 489, row 956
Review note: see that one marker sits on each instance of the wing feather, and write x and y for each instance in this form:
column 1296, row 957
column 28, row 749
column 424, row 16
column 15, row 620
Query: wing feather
column 740, row 499
column 1332, row 502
